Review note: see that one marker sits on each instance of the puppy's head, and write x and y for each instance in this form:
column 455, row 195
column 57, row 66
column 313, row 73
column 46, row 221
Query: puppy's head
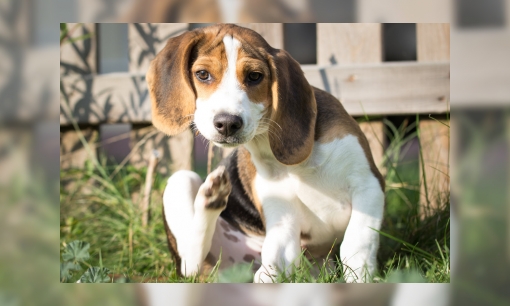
column 233, row 86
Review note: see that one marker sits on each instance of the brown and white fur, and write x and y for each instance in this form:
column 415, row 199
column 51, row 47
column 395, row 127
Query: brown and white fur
column 302, row 175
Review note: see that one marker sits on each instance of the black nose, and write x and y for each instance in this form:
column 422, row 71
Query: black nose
column 227, row 125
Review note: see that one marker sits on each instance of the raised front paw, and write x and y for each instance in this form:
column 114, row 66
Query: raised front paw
column 216, row 189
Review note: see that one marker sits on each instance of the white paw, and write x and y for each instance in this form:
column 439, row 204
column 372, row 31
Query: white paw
column 359, row 275
column 352, row 278
column 216, row 189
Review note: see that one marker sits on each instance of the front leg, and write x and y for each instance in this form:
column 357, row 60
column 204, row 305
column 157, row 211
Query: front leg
column 360, row 244
column 281, row 248
column 210, row 201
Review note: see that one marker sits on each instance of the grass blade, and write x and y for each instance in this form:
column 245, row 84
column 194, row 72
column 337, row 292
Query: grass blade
column 412, row 247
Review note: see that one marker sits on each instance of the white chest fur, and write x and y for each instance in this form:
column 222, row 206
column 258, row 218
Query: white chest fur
column 319, row 191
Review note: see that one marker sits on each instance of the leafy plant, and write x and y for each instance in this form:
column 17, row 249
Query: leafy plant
column 76, row 253
column 66, row 269
column 95, row 275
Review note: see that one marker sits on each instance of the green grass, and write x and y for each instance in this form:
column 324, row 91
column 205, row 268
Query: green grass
column 100, row 206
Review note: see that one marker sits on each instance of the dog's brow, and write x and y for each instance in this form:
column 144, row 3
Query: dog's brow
column 247, row 48
column 215, row 44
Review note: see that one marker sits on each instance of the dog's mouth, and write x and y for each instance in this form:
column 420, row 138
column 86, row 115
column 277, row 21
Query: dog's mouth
column 227, row 142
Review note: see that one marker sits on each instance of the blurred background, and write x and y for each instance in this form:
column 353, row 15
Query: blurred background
column 479, row 99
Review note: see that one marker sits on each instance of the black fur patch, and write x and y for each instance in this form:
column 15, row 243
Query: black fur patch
column 241, row 211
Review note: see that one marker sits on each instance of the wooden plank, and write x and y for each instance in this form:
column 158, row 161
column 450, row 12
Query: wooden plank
column 482, row 65
column 94, row 99
column 181, row 151
column 272, row 32
column 404, row 11
column 434, row 45
column 390, row 88
column 175, row 153
column 80, row 56
column 346, row 43
column 433, row 41
column 147, row 39
column 435, row 144
column 23, row 102
column 72, row 152
column 374, row 131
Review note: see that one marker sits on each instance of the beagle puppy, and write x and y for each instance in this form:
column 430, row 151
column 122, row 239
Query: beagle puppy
column 302, row 176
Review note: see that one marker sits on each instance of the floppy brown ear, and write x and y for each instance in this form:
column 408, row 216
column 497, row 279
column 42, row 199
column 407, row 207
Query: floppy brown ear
column 172, row 97
column 294, row 110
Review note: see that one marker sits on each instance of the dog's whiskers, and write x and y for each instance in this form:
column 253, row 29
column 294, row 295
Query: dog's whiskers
column 271, row 120
column 207, row 144
column 267, row 126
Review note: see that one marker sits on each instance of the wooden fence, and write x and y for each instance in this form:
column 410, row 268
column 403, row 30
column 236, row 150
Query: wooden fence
column 349, row 65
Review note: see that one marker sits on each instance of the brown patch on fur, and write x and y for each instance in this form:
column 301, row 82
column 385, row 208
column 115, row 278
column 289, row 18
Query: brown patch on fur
column 207, row 266
column 305, row 236
column 211, row 258
column 225, row 226
column 243, row 210
column 247, row 172
column 252, row 62
column 172, row 245
column 293, row 110
column 232, row 228
column 231, row 237
column 210, row 56
column 248, row 258
column 171, row 81
column 172, row 97
column 333, row 122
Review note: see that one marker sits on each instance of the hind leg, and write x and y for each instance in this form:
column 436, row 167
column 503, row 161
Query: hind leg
column 191, row 210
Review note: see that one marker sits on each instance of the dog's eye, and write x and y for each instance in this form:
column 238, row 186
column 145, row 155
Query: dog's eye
column 254, row 77
column 203, row 75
